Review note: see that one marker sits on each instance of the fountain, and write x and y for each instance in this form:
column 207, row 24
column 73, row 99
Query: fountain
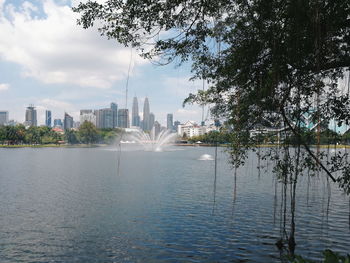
column 152, row 141
column 206, row 157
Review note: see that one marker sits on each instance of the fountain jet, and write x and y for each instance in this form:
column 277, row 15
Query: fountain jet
column 151, row 141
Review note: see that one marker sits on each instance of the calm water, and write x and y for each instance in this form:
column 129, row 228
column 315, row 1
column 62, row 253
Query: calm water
column 71, row 205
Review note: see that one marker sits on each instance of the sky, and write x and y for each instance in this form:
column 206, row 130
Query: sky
column 46, row 59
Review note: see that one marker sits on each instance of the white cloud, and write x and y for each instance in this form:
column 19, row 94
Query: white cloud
column 182, row 86
column 184, row 115
column 53, row 49
column 4, row 86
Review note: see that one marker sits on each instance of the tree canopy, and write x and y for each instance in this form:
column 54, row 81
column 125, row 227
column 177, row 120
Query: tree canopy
column 261, row 58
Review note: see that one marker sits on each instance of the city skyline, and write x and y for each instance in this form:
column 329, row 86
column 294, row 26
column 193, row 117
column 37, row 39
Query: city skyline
column 50, row 116
column 111, row 117
column 64, row 79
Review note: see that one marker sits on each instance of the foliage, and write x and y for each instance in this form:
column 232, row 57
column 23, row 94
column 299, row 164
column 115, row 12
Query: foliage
column 108, row 135
column 18, row 134
column 88, row 133
column 71, row 136
column 212, row 137
column 262, row 59
column 329, row 257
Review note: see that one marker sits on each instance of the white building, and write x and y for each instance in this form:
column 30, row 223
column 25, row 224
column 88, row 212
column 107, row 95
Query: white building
column 191, row 129
column 91, row 117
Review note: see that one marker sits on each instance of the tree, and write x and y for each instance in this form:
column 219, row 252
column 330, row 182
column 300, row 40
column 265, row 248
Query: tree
column 2, row 134
column 71, row 136
column 88, row 133
column 260, row 57
column 32, row 135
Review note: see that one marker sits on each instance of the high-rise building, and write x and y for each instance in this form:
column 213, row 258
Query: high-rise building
column 157, row 129
column 30, row 118
column 4, row 117
column 123, row 118
column 146, row 113
column 68, row 121
column 48, row 118
column 87, row 115
column 151, row 121
column 104, row 118
column 176, row 125
column 114, row 108
column 108, row 118
column 99, row 118
column 135, row 117
column 57, row 123
column 169, row 121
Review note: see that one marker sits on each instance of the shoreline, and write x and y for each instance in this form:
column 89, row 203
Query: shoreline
column 51, row 146
column 323, row 146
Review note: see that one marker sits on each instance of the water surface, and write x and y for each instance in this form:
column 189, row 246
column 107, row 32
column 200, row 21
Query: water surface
column 75, row 205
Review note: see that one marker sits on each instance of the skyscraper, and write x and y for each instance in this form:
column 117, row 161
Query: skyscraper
column 151, row 120
column 169, row 121
column 108, row 118
column 68, row 121
column 104, row 118
column 57, row 123
column 135, row 113
column 146, row 113
column 30, row 118
column 176, row 125
column 4, row 117
column 157, row 128
column 114, row 108
column 123, row 118
column 48, row 118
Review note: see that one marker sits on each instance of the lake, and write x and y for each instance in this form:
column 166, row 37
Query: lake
column 79, row 205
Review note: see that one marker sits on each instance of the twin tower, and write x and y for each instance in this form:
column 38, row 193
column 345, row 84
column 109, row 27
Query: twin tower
column 147, row 122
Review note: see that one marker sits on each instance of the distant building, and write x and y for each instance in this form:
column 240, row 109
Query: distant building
column 151, row 121
column 123, row 118
column 30, row 118
column 87, row 111
column 190, row 129
column 4, row 117
column 169, row 121
column 57, row 123
column 135, row 117
column 99, row 118
column 157, row 129
column 146, row 116
column 68, row 121
column 12, row 123
column 76, row 124
column 114, row 108
column 48, row 118
column 87, row 115
column 176, row 124
column 108, row 118
column 104, row 118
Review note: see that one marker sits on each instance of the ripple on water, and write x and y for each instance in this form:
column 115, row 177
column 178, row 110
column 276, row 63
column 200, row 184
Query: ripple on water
column 76, row 207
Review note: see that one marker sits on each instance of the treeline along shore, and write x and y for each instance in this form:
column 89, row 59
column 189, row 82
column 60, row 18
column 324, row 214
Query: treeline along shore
column 43, row 136
column 88, row 135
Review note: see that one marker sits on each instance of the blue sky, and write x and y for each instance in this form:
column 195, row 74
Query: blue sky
column 49, row 61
